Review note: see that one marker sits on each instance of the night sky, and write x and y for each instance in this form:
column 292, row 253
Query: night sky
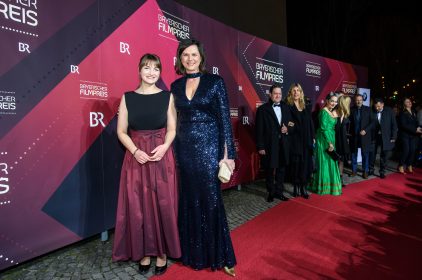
column 386, row 38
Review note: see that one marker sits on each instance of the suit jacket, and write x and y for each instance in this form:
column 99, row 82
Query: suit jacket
column 408, row 124
column 367, row 123
column 387, row 126
column 269, row 136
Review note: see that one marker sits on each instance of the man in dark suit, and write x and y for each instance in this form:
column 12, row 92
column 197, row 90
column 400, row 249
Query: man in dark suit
column 273, row 122
column 361, row 125
column 385, row 135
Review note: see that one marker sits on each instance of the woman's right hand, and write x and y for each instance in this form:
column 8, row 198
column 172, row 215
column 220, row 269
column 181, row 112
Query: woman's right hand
column 141, row 157
column 331, row 147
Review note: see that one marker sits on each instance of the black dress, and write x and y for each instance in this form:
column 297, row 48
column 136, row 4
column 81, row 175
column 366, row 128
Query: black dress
column 146, row 220
column 301, row 146
column 204, row 127
column 342, row 139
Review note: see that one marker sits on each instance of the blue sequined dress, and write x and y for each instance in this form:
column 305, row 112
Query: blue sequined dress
column 204, row 127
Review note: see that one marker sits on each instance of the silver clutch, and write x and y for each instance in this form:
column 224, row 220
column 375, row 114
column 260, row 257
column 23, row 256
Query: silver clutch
column 224, row 173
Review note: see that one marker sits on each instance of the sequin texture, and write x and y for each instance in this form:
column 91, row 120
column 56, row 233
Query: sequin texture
column 204, row 127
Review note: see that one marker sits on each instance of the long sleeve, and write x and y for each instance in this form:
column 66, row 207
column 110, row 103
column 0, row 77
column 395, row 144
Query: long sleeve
column 406, row 123
column 324, row 126
column 226, row 135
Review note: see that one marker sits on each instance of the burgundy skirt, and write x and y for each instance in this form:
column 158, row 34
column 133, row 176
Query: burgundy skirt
column 146, row 222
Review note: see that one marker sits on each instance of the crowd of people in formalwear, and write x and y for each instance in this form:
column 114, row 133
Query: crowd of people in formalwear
column 170, row 203
column 312, row 154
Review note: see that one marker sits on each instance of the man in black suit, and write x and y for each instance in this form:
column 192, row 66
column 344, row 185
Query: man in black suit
column 273, row 122
column 361, row 125
column 385, row 135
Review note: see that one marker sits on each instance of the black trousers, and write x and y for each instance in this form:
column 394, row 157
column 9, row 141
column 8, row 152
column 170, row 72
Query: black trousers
column 277, row 174
column 384, row 155
column 408, row 150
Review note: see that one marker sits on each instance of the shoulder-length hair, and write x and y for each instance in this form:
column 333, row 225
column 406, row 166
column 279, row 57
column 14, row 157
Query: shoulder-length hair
column 183, row 45
column 344, row 105
column 149, row 58
column 290, row 99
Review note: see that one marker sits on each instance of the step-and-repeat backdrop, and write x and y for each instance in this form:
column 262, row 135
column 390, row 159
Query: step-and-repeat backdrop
column 64, row 67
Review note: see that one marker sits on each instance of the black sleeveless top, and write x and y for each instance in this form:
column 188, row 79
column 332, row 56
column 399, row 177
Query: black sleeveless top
column 147, row 111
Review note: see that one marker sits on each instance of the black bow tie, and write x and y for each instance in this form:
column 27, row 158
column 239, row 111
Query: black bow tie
column 276, row 105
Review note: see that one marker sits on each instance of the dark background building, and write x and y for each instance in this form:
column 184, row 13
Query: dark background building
column 384, row 36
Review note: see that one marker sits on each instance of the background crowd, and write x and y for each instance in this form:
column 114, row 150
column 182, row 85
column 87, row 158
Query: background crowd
column 346, row 132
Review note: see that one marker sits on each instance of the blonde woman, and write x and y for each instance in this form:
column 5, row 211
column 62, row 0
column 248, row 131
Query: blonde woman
column 342, row 132
column 301, row 141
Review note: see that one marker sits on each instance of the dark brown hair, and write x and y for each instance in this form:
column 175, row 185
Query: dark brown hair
column 183, row 45
column 149, row 58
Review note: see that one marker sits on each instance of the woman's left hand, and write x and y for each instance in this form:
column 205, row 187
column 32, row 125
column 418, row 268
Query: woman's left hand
column 230, row 163
column 159, row 152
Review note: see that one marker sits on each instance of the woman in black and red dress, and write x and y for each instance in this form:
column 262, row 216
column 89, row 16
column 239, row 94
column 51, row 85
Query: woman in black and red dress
column 146, row 223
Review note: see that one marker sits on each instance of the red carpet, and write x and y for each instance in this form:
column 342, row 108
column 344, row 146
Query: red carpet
column 373, row 231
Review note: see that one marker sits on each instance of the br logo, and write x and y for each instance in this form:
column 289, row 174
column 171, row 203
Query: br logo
column 23, row 47
column 96, row 118
column 4, row 186
column 124, row 48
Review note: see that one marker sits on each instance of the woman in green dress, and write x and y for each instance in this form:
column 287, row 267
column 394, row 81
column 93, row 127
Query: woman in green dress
column 326, row 180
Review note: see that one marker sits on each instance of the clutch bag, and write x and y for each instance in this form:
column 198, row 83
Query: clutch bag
column 334, row 155
column 224, row 173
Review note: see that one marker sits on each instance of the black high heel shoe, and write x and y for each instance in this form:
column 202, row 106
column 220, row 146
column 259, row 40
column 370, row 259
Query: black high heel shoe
column 159, row 270
column 144, row 268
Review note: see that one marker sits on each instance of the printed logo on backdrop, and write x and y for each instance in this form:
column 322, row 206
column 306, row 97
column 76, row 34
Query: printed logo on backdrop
column 4, row 178
column 20, row 17
column 268, row 72
column 312, row 69
column 170, row 25
column 234, row 113
column 96, row 119
column 349, row 88
column 21, row 12
column 93, row 90
column 7, row 103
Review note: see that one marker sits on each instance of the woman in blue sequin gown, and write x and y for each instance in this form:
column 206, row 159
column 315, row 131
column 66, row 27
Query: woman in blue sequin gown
column 203, row 141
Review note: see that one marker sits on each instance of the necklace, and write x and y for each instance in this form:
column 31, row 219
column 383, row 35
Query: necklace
column 193, row 75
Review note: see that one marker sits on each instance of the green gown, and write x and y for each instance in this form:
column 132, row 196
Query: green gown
column 326, row 180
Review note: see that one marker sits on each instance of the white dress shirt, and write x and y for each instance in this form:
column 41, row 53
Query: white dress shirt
column 277, row 111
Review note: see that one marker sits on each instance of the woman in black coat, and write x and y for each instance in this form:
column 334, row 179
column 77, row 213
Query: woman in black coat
column 409, row 132
column 343, row 132
column 301, row 141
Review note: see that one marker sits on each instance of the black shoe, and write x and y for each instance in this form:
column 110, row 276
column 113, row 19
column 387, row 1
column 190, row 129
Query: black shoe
column 159, row 270
column 382, row 175
column 365, row 175
column 281, row 197
column 270, row 198
column 303, row 192
column 143, row 269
